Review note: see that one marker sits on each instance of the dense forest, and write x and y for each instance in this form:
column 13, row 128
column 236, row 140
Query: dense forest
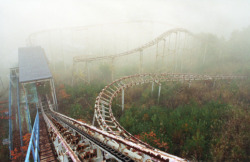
column 204, row 121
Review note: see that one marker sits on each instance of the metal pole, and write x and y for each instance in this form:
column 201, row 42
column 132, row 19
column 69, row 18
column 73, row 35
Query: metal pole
column 93, row 122
column 175, row 53
column 214, row 83
column 38, row 133
column 99, row 154
column 189, row 85
column 204, row 55
column 152, row 88
column 54, row 93
column 168, row 48
column 73, row 70
column 37, row 139
column 112, row 69
column 19, row 114
column 184, row 50
column 28, row 113
column 88, row 73
column 141, row 62
column 27, row 108
column 156, row 57
column 122, row 99
column 159, row 92
column 62, row 50
column 103, row 113
column 2, row 83
column 10, row 120
column 163, row 52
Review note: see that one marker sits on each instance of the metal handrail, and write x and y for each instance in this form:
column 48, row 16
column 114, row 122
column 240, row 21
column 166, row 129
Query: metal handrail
column 34, row 141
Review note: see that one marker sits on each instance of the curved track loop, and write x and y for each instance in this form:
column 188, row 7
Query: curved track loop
column 103, row 105
column 135, row 151
column 139, row 49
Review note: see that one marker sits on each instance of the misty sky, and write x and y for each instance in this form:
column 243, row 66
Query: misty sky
column 19, row 18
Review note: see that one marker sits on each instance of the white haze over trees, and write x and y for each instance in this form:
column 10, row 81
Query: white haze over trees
column 18, row 18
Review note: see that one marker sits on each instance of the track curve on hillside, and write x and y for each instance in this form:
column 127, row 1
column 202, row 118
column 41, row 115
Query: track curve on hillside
column 103, row 104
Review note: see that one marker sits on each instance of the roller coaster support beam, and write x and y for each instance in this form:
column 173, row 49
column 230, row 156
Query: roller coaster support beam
column 28, row 113
column 163, row 52
column 27, row 108
column 153, row 83
column 88, row 72
column 51, row 89
column 10, row 120
column 103, row 111
column 159, row 93
column 156, row 57
column 53, row 93
column 93, row 121
column 141, row 62
column 175, row 51
column 2, row 83
column 73, row 75
column 19, row 114
column 122, row 99
column 204, row 55
column 214, row 83
column 189, row 84
column 112, row 69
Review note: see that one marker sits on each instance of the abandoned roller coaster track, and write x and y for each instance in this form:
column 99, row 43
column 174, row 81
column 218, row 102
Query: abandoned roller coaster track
column 103, row 105
column 115, row 146
column 139, row 49
column 167, row 38
column 112, row 139
column 75, row 140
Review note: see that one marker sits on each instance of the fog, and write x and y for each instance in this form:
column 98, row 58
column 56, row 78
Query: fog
column 19, row 19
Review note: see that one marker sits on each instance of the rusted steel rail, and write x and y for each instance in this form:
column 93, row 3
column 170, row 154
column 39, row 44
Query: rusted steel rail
column 47, row 151
column 173, row 41
column 84, row 146
column 62, row 148
column 113, row 140
column 103, row 105
column 135, row 151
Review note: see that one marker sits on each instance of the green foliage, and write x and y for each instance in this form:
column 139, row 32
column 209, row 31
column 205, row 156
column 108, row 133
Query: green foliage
column 81, row 100
column 188, row 130
column 43, row 88
column 202, row 122
column 105, row 72
column 76, row 110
